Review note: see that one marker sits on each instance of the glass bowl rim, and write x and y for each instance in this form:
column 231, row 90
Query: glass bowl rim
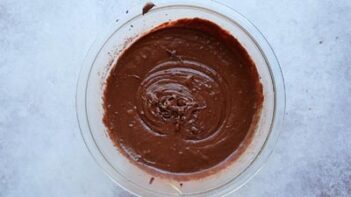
column 250, row 29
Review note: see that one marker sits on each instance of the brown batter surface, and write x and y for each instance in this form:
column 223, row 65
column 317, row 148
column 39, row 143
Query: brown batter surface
column 181, row 99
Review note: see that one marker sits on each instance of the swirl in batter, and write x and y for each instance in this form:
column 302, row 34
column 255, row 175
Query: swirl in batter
column 181, row 99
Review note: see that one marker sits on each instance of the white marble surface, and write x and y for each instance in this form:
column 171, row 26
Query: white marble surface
column 42, row 44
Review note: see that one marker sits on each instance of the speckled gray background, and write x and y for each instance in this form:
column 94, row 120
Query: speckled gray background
column 42, row 44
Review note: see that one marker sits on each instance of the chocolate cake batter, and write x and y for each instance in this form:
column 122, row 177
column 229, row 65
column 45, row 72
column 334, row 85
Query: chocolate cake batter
column 181, row 99
column 147, row 7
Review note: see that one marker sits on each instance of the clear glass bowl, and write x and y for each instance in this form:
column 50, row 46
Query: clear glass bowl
column 107, row 49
